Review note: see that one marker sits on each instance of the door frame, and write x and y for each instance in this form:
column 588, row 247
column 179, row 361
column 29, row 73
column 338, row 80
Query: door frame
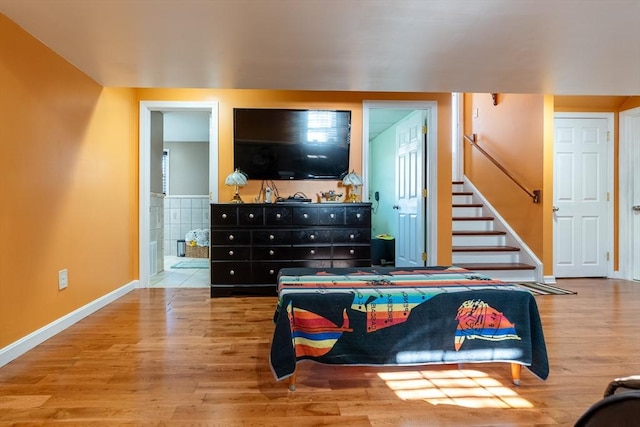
column 144, row 170
column 430, row 204
column 626, row 170
column 609, row 179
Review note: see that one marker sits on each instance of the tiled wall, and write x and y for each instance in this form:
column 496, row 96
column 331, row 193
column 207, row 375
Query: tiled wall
column 182, row 214
column 156, row 223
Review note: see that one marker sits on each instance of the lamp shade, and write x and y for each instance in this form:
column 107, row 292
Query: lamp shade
column 236, row 178
column 352, row 179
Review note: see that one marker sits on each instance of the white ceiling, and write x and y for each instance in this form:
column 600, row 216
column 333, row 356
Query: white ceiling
column 562, row 47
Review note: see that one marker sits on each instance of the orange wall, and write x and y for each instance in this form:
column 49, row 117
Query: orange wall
column 68, row 185
column 512, row 132
column 229, row 98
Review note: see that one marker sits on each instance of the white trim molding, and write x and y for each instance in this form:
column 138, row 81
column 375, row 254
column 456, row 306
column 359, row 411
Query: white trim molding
column 431, row 162
column 20, row 347
column 144, row 177
column 610, row 117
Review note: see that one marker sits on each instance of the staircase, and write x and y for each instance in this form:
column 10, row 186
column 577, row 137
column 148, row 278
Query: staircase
column 480, row 244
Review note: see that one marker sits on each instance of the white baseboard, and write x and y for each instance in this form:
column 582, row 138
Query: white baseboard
column 617, row 274
column 20, row 347
column 549, row 280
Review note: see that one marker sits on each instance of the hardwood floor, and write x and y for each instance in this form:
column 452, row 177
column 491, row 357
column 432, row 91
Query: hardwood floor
column 177, row 357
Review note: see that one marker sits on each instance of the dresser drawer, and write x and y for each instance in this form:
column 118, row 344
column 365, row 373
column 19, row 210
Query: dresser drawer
column 309, row 237
column 359, row 216
column 351, row 235
column 230, row 253
column 230, row 272
column 305, row 215
column 224, row 216
column 267, row 272
column 349, row 252
column 312, row 252
column 278, row 216
column 331, row 216
column 270, row 252
column 272, row 237
column 230, row 237
column 250, row 215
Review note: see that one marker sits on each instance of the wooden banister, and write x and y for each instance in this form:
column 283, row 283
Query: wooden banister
column 535, row 194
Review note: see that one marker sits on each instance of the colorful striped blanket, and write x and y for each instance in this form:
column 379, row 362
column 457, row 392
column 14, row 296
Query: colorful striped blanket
column 395, row 316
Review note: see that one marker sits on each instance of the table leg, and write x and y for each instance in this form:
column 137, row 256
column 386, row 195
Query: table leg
column 515, row 373
column 292, row 381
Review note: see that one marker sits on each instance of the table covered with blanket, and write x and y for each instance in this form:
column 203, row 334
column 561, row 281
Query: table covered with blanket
column 403, row 316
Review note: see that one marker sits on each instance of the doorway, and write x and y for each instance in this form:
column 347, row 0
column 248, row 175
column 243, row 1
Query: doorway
column 583, row 195
column 147, row 246
column 382, row 196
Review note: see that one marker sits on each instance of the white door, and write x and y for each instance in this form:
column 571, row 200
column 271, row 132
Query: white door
column 410, row 241
column 580, row 192
column 635, row 259
column 633, row 129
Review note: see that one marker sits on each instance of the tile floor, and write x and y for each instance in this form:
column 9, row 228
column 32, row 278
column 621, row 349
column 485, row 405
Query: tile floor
column 180, row 277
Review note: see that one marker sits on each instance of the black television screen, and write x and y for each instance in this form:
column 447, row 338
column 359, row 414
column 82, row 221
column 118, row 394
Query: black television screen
column 288, row 144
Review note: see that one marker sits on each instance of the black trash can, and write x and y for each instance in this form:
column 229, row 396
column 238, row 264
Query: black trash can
column 383, row 251
column 182, row 246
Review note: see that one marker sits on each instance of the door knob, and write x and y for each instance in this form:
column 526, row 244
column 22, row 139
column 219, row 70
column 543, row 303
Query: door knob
column 396, row 207
column 556, row 209
column 636, row 208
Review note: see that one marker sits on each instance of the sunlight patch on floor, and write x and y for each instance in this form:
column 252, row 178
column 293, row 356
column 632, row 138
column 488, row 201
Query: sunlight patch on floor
column 461, row 387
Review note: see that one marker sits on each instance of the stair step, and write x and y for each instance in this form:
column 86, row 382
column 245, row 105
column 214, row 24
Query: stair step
column 468, row 205
column 496, row 266
column 484, row 249
column 463, row 193
column 479, row 233
column 458, row 182
column 472, row 218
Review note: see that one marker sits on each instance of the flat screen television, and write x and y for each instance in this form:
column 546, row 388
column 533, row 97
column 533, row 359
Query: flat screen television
column 290, row 144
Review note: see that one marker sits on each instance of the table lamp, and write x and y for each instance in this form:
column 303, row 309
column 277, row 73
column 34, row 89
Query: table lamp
column 353, row 180
column 239, row 179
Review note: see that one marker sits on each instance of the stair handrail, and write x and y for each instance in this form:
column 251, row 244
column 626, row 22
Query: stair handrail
column 534, row 194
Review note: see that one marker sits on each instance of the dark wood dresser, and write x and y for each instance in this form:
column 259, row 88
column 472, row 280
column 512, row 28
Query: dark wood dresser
column 251, row 242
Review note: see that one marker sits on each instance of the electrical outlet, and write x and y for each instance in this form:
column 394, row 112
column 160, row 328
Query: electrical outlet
column 63, row 279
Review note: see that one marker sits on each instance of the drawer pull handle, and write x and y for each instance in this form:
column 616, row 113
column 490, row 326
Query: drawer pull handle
column 251, row 215
column 352, row 236
column 231, row 253
column 271, row 252
column 332, row 216
column 224, row 216
column 312, row 236
column 231, row 237
column 231, row 272
column 271, row 237
column 305, row 215
column 351, row 251
column 312, row 252
column 271, row 272
column 278, row 216
column 358, row 215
